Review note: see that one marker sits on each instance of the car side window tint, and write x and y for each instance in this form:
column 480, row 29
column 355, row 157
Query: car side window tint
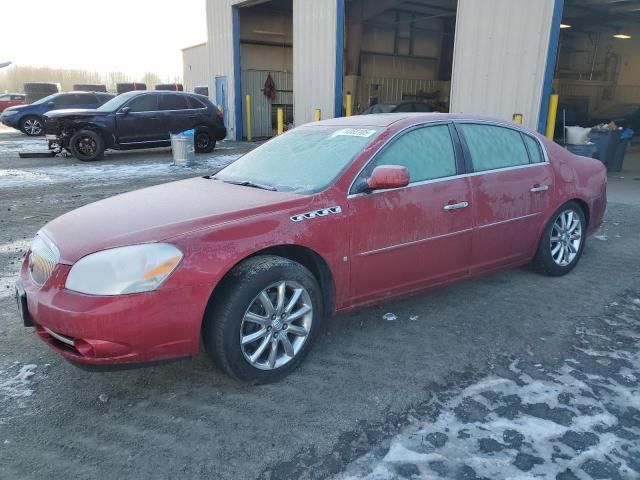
column 534, row 149
column 62, row 100
column 144, row 103
column 173, row 102
column 194, row 103
column 85, row 100
column 427, row 153
column 421, row 107
column 404, row 107
column 493, row 147
column 5, row 97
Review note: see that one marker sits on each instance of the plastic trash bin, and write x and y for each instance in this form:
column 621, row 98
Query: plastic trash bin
column 182, row 147
column 583, row 149
column 606, row 143
column 615, row 165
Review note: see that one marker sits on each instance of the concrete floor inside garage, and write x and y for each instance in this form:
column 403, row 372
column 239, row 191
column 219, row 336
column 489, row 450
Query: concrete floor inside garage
column 510, row 374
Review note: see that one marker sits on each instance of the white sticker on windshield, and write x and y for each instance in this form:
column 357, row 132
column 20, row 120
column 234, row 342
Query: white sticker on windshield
column 353, row 132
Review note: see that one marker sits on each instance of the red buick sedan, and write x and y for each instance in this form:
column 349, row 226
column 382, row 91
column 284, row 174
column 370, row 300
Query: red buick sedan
column 328, row 217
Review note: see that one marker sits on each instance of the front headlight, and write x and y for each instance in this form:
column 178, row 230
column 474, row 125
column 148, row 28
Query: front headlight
column 123, row 270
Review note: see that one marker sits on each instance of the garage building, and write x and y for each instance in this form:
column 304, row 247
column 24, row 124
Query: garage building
column 492, row 57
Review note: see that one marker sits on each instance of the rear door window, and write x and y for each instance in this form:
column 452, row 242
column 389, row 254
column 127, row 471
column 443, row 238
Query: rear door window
column 144, row 103
column 173, row 102
column 65, row 100
column 86, row 99
column 493, row 147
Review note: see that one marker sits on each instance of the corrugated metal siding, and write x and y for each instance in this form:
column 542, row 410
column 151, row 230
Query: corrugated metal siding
column 220, row 52
column 261, row 110
column 500, row 57
column 195, row 65
column 314, row 58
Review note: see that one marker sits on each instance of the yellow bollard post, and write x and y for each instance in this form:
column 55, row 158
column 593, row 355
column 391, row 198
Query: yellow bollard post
column 348, row 107
column 280, row 121
column 248, row 118
column 317, row 114
column 551, row 117
column 517, row 118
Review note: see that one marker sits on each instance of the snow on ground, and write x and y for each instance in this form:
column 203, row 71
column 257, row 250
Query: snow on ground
column 102, row 172
column 578, row 421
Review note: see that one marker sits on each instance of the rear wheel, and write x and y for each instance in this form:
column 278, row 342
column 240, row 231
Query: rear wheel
column 87, row 145
column 264, row 320
column 562, row 242
column 204, row 141
column 32, row 125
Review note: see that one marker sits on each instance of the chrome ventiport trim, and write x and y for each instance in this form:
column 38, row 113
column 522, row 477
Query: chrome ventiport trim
column 323, row 212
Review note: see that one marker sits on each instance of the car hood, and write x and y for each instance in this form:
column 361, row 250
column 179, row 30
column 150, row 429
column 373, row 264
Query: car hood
column 159, row 213
column 74, row 112
column 16, row 108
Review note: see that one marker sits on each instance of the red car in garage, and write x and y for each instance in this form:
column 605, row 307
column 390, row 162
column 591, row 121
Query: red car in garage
column 11, row 100
column 328, row 217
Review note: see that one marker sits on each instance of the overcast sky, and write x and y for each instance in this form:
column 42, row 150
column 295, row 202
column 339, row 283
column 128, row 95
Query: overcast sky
column 134, row 36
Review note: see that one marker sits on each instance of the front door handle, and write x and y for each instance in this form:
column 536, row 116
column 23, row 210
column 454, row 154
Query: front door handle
column 539, row 188
column 456, row 206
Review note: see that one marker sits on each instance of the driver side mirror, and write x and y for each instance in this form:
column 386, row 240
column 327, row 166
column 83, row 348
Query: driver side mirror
column 125, row 110
column 388, row 176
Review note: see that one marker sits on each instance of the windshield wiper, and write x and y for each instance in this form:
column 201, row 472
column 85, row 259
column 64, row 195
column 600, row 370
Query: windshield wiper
column 248, row 183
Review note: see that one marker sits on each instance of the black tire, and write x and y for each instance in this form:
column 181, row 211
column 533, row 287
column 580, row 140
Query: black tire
column 87, row 145
column 224, row 318
column 32, row 125
column 205, row 142
column 544, row 261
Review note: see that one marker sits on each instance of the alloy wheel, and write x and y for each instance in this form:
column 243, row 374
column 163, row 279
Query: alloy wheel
column 86, row 146
column 276, row 325
column 202, row 140
column 33, row 127
column 566, row 238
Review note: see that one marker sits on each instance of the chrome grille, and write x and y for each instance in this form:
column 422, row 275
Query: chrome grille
column 43, row 259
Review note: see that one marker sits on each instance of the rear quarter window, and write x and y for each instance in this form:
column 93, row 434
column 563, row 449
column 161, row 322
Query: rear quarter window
column 533, row 146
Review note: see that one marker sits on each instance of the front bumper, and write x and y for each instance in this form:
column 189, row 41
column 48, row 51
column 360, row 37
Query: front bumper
column 10, row 121
column 98, row 331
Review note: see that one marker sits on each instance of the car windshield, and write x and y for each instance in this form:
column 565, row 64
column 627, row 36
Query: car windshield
column 45, row 99
column 116, row 102
column 305, row 160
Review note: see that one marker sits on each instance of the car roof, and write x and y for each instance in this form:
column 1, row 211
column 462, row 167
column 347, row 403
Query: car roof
column 388, row 119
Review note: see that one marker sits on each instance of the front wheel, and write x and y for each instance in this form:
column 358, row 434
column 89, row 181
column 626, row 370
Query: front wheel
column 264, row 319
column 562, row 241
column 32, row 126
column 204, row 142
column 87, row 145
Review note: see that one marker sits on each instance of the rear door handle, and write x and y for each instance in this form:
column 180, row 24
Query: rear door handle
column 456, row 206
column 539, row 188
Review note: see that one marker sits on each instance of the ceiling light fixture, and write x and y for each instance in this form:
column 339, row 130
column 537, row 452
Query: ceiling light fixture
column 565, row 25
column 623, row 36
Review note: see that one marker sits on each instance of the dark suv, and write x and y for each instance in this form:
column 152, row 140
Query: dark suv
column 29, row 118
column 139, row 119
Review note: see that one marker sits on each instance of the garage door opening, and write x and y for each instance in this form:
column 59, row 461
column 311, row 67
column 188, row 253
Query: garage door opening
column 597, row 72
column 399, row 54
column 266, row 65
